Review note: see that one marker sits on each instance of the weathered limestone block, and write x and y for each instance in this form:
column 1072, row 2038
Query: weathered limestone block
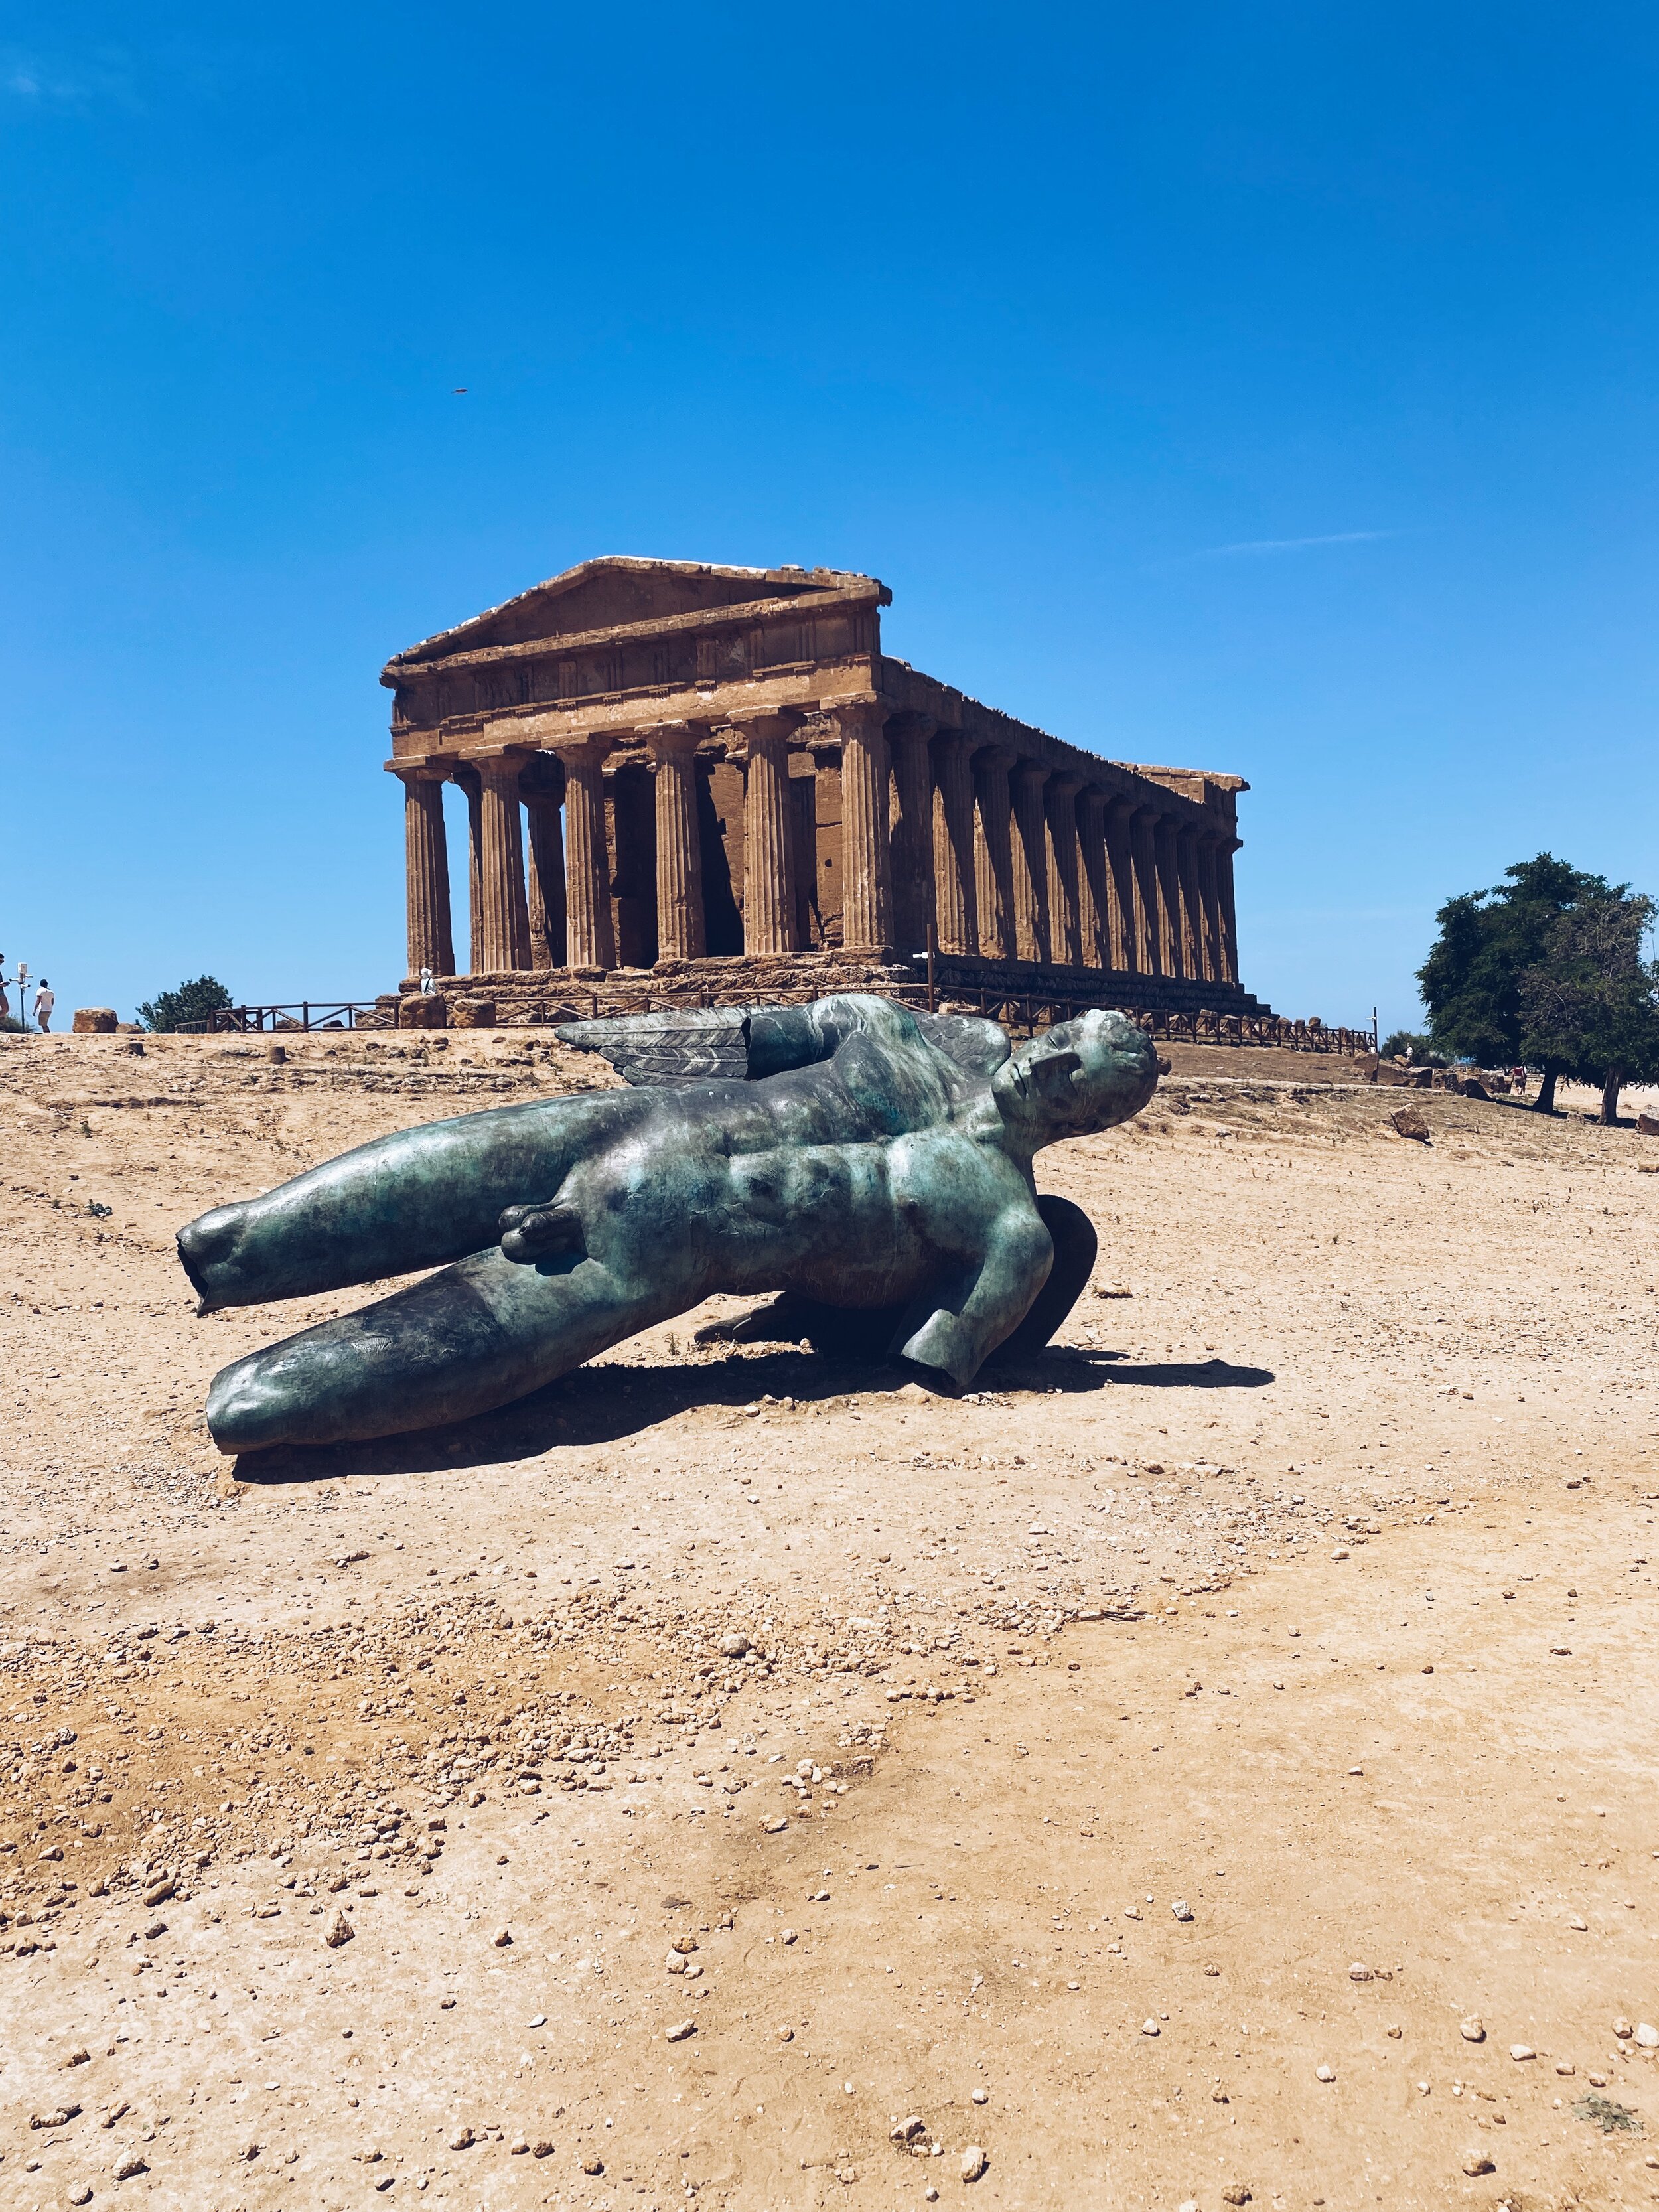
column 423, row 1010
column 95, row 1021
column 473, row 1014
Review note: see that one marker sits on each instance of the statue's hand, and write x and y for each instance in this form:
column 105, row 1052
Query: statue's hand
column 531, row 1232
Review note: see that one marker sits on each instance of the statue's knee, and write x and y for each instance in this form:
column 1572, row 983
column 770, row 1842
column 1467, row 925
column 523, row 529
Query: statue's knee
column 205, row 1246
column 245, row 1411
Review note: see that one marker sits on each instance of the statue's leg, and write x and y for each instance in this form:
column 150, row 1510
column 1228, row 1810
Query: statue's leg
column 471, row 1337
column 410, row 1200
column 1075, row 1246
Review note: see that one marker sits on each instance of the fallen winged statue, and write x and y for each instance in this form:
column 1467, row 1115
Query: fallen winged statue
column 871, row 1164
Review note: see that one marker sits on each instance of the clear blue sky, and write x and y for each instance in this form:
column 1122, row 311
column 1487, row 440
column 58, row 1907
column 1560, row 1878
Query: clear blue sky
column 1264, row 388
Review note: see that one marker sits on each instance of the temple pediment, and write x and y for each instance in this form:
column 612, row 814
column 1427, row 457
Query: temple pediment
column 615, row 591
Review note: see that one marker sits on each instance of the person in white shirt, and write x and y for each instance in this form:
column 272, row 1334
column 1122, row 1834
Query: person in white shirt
column 45, row 999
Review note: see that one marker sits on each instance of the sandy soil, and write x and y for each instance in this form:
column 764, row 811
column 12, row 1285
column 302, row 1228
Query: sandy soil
column 739, row 1776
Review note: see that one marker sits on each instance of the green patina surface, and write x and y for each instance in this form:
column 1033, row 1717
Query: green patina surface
column 876, row 1163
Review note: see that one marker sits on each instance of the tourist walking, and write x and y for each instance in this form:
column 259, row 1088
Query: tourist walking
column 45, row 999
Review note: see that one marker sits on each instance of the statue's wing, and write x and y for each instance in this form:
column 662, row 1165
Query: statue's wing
column 687, row 1046
column 694, row 1044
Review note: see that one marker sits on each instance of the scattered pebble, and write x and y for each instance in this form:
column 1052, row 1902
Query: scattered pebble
column 679, row 2032
column 974, row 2162
column 1472, row 2030
column 1324, row 2073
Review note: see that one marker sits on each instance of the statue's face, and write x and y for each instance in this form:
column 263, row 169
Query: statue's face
column 1081, row 1076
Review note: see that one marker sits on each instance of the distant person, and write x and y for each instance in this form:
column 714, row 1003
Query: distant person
column 5, row 1002
column 426, row 981
column 45, row 999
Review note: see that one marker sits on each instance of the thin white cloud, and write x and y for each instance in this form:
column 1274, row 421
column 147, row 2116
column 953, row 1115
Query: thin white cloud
column 1292, row 545
column 103, row 75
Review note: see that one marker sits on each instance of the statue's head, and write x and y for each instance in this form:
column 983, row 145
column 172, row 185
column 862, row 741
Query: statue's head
column 1079, row 1077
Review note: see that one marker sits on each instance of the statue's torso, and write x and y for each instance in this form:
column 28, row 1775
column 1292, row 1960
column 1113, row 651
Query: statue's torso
column 842, row 1181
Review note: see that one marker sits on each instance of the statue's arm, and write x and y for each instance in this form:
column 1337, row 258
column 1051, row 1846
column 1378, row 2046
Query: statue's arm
column 780, row 1038
column 972, row 1315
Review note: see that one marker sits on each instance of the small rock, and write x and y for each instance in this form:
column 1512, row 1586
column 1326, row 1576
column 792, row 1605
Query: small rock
column 734, row 1645
column 1522, row 2050
column 788, row 1937
column 341, row 1932
column 1647, row 2035
column 680, row 2030
column 592, row 2163
column 1409, row 1122
column 1181, row 1909
column 1581, row 1926
column 974, row 2162
column 130, row 2166
column 1236, row 2193
column 1472, row 2030
column 1149, row 2027
column 981, row 2096
column 774, row 1826
column 1476, row 2161
column 1564, row 2066
column 501, row 1938
column 541, row 2149
column 1324, row 2073
column 1623, row 2030
column 785, row 2035
column 461, row 2140
column 159, row 1893
column 907, row 2130
column 80, row 2196
column 1359, row 1973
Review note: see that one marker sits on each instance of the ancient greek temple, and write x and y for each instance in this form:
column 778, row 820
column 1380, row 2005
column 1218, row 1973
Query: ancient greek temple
column 711, row 785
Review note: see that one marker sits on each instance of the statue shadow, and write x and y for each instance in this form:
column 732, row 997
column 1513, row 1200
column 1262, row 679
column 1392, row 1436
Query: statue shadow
column 606, row 1405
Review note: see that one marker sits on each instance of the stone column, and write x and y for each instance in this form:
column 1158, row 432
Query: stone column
column 956, row 888
column 1123, row 927
column 673, row 749
column 1210, row 904
column 466, row 781
column 1094, row 881
column 543, row 802
column 912, row 859
column 994, row 853
column 769, row 875
column 1224, row 871
column 1144, row 845
column 867, row 896
column 505, row 905
column 1169, row 898
column 426, row 863
column 1030, row 857
column 1191, row 905
column 1066, row 887
column 587, row 870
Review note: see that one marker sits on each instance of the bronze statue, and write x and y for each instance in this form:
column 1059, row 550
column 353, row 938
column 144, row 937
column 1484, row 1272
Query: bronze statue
column 873, row 1163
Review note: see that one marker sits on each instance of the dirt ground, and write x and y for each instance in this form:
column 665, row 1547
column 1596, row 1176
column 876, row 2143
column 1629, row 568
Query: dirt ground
column 1209, row 1766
